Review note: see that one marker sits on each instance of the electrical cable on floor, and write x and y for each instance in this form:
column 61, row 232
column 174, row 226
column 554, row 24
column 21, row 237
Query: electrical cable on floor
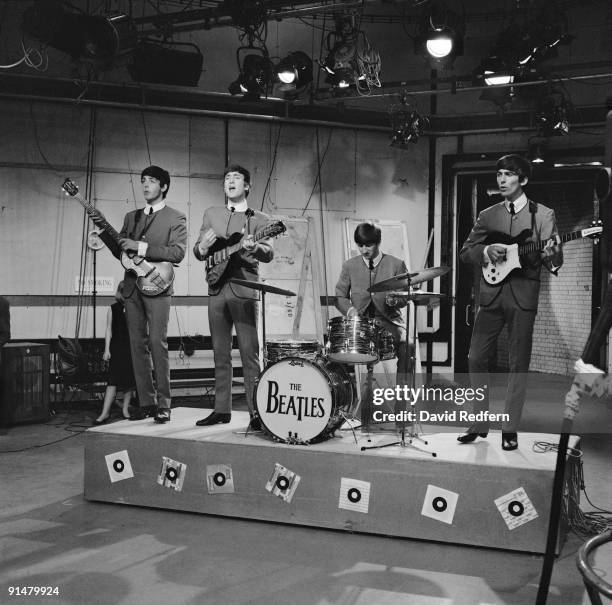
column 33, row 447
column 541, row 447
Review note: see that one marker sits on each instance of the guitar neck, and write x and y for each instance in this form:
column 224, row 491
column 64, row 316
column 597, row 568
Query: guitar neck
column 539, row 245
column 265, row 232
column 99, row 218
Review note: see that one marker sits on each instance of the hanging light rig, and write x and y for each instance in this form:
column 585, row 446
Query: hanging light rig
column 407, row 125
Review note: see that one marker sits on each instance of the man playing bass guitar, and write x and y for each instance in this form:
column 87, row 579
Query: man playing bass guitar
column 513, row 302
column 231, row 304
column 157, row 233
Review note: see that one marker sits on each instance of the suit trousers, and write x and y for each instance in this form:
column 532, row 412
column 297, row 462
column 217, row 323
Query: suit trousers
column 147, row 320
column 488, row 324
column 224, row 311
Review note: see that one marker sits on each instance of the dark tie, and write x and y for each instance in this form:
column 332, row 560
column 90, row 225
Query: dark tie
column 512, row 208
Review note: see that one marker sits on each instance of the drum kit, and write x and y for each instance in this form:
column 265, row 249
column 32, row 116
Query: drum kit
column 305, row 393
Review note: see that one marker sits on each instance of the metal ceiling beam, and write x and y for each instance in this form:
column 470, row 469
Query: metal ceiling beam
column 179, row 100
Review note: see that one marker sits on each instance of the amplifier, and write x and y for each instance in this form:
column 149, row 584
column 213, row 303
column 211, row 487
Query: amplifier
column 24, row 383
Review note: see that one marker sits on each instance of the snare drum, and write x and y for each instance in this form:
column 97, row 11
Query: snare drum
column 277, row 349
column 352, row 340
column 386, row 348
column 302, row 401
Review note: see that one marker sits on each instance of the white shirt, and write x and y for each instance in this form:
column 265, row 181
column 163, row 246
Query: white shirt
column 149, row 209
column 243, row 206
column 375, row 261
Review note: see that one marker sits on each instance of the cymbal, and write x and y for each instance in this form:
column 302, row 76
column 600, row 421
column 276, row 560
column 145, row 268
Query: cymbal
column 261, row 286
column 420, row 299
column 403, row 281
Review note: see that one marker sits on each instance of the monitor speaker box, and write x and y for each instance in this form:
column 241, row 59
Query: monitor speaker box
column 24, row 383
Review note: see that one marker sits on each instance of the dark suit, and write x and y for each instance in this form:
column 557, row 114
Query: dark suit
column 165, row 232
column 514, row 303
column 351, row 290
column 234, row 306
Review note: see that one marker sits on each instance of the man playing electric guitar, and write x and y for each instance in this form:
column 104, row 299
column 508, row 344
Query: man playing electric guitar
column 230, row 304
column 513, row 302
column 158, row 234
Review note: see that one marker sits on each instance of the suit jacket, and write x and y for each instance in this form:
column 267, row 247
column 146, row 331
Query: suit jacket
column 243, row 264
column 354, row 280
column 525, row 282
column 166, row 236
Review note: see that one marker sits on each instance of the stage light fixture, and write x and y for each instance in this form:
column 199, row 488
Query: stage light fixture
column 294, row 72
column 100, row 41
column 407, row 125
column 171, row 63
column 351, row 60
column 255, row 76
column 537, row 151
column 553, row 114
column 440, row 37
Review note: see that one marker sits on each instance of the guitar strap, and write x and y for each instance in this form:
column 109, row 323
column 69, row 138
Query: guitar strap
column 148, row 221
column 533, row 208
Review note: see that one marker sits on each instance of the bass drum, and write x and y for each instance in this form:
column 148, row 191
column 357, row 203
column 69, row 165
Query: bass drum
column 302, row 401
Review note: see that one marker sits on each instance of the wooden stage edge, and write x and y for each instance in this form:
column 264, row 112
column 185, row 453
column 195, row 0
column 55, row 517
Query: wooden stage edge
column 475, row 494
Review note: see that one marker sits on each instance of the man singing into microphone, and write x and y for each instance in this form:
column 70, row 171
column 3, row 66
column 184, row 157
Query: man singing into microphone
column 231, row 305
column 360, row 273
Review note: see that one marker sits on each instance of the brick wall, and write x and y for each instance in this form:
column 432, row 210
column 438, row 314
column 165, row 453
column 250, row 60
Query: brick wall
column 563, row 322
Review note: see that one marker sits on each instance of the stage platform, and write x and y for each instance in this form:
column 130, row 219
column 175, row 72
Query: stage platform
column 473, row 494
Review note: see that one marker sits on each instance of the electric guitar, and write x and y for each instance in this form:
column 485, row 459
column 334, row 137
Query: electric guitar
column 495, row 274
column 153, row 278
column 219, row 254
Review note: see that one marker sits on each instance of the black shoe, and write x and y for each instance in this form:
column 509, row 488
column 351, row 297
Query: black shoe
column 162, row 415
column 140, row 414
column 509, row 441
column 214, row 418
column 103, row 421
column 471, row 435
column 255, row 424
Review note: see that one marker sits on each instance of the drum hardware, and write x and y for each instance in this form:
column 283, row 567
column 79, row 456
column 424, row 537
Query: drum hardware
column 406, row 439
column 404, row 281
column 299, row 401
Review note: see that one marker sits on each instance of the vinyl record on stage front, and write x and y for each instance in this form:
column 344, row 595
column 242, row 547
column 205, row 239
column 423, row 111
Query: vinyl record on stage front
column 354, row 495
column 172, row 474
column 440, row 504
column 119, row 466
column 219, row 479
column 283, row 482
column 516, row 508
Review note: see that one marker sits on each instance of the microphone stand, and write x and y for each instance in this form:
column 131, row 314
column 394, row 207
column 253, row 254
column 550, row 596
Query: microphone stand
column 368, row 396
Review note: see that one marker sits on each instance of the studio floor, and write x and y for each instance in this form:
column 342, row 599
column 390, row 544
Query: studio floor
column 113, row 554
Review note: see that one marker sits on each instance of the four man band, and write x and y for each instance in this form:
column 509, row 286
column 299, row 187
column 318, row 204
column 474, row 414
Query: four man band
column 231, row 245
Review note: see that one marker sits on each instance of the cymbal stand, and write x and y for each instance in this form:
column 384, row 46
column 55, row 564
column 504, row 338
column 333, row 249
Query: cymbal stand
column 412, row 436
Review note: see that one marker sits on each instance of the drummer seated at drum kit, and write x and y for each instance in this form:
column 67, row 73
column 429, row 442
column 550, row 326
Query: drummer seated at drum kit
column 353, row 299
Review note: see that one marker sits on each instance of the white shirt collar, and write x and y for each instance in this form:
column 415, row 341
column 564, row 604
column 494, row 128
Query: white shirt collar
column 241, row 207
column 519, row 203
column 155, row 207
column 375, row 261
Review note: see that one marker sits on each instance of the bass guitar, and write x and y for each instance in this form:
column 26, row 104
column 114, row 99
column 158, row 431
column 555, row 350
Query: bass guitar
column 153, row 278
column 219, row 254
column 495, row 273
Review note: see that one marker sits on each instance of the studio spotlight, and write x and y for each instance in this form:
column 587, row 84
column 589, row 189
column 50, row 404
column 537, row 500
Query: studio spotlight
column 294, row 72
column 553, row 114
column 496, row 71
column 440, row 37
column 351, row 60
column 407, row 125
column 537, row 152
column 255, row 77
column 100, row 41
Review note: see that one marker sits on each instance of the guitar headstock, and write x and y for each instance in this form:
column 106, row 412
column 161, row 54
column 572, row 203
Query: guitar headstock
column 275, row 228
column 69, row 187
column 594, row 231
